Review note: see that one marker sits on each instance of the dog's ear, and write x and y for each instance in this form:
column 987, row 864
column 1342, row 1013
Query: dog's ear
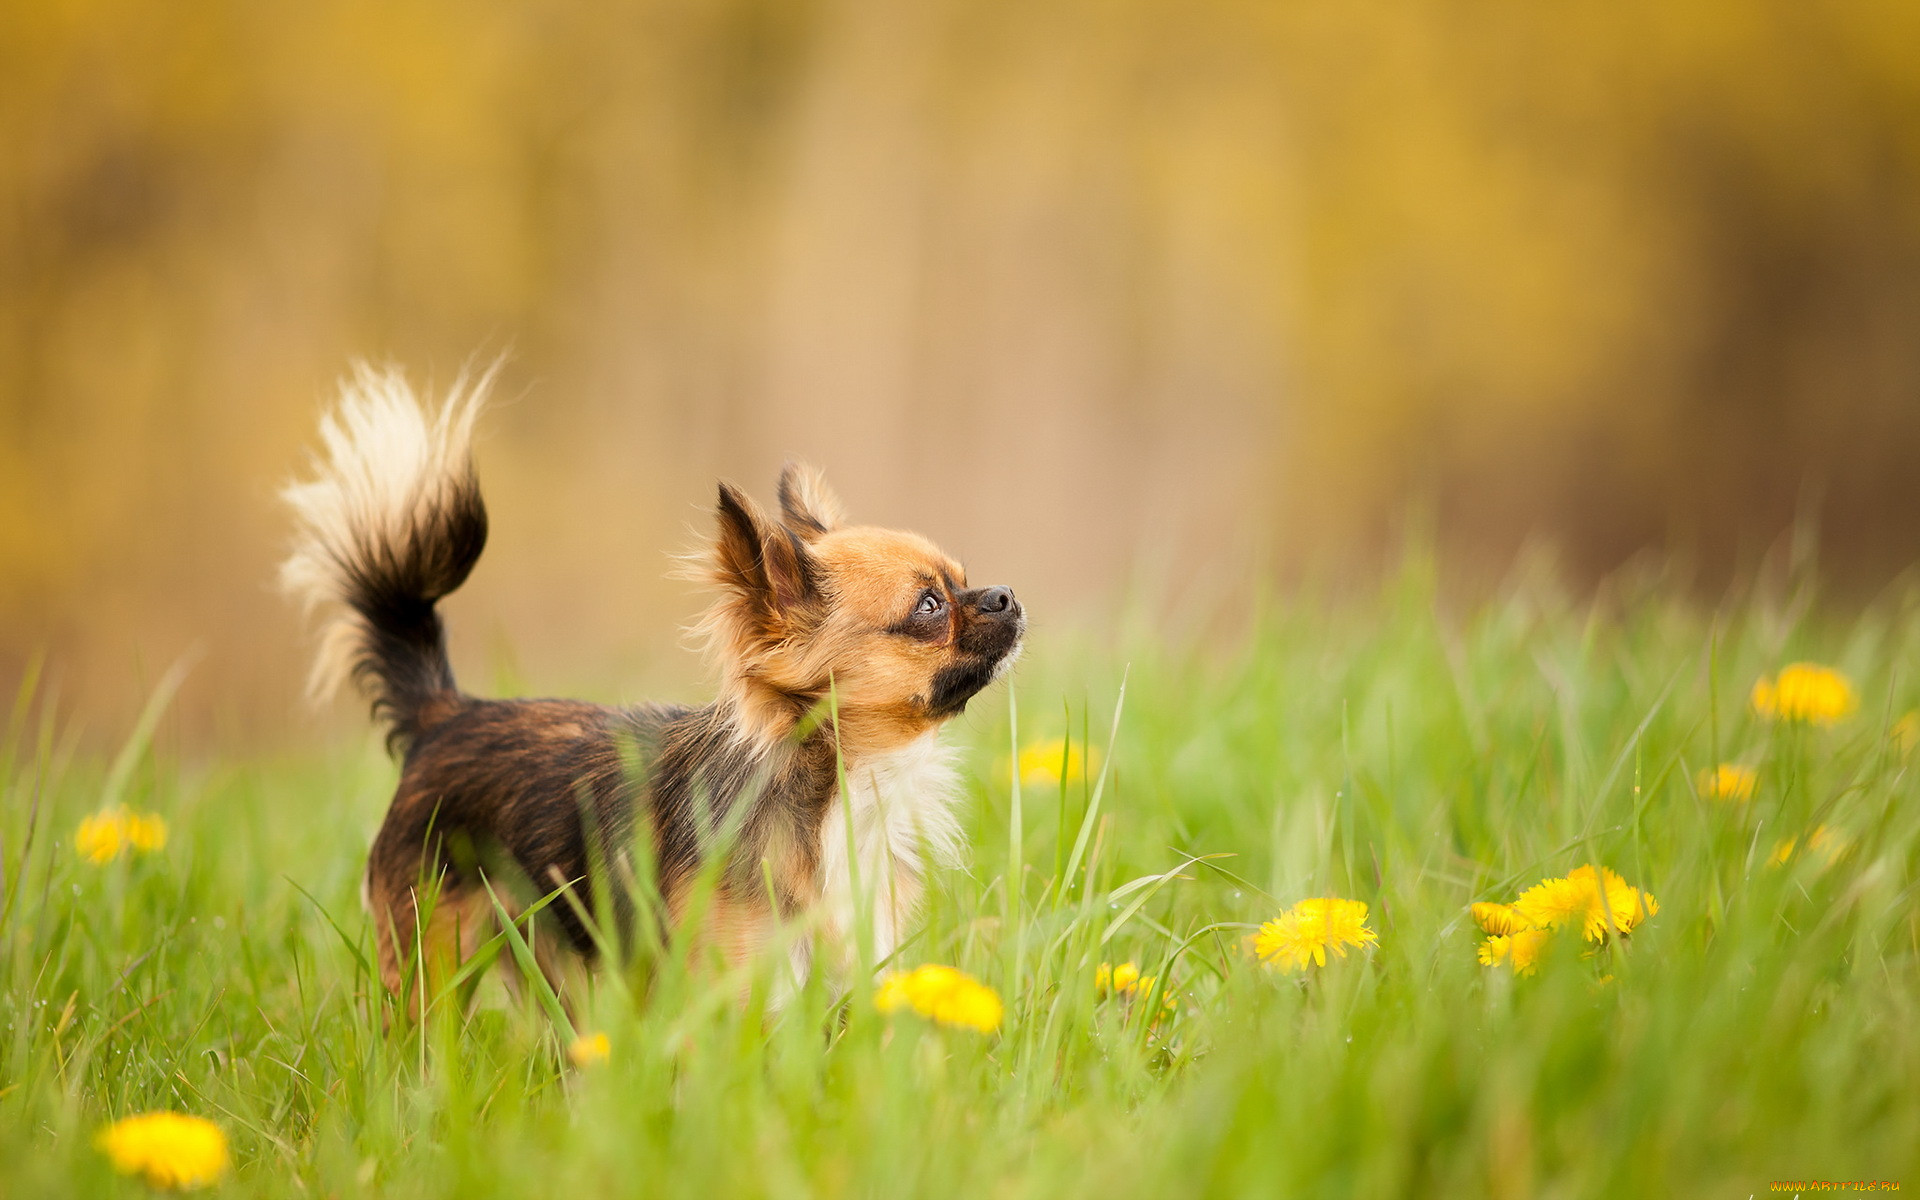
column 762, row 562
column 807, row 504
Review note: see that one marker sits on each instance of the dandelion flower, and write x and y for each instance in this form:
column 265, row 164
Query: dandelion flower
column 107, row 834
column 1806, row 693
column 171, row 1150
column 1500, row 919
column 1597, row 900
column 1126, row 980
column 1831, row 844
column 942, row 994
column 1042, row 763
column 1305, row 932
column 1519, row 950
column 101, row 838
column 1728, row 781
column 589, row 1050
column 1554, row 902
column 146, row 832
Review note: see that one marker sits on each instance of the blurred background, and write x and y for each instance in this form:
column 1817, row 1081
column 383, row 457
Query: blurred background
column 1124, row 301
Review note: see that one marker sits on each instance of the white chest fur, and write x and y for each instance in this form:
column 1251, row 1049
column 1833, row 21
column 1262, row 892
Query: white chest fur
column 901, row 807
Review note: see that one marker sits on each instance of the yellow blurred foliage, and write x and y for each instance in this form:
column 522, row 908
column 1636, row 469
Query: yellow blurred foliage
column 1070, row 286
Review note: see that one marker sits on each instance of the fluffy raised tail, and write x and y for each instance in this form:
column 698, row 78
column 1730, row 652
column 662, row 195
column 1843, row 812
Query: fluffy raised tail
column 391, row 522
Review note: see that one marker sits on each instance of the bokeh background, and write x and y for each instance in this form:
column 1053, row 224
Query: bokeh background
column 1124, row 302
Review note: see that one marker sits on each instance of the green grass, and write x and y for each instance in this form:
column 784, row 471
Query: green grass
column 1764, row 1025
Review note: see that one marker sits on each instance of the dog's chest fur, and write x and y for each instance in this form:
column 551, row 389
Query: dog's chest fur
column 902, row 806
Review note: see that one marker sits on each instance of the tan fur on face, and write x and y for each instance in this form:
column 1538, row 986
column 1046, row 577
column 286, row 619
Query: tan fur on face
column 882, row 678
column 783, row 646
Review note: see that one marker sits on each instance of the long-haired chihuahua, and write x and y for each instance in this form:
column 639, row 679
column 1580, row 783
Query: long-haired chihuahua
column 841, row 650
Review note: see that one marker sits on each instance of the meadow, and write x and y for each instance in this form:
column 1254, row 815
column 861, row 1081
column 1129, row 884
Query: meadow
column 1171, row 795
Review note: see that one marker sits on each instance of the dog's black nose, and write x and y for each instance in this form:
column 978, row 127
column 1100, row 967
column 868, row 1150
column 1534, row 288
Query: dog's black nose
column 996, row 600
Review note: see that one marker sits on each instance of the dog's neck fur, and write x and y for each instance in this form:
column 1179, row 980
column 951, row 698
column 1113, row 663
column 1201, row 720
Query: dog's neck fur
column 766, row 716
column 876, row 844
column 759, row 712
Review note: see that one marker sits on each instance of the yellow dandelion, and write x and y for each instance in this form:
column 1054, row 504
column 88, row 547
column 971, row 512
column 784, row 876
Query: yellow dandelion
column 1728, row 781
column 1806, row 693
column 146, row 832
column 1499, row 919
column 1829, row 843
column 942, row 994
column 906, row 989
column 589, row 1050
column 1305, row 932
column 1906, row 733
column 171, row 1150
column 101, row 837
column 1126, row 980
column 1519, row 950
column 1041, row 763
column 107, row 834
column 1590, row 898
column 1554, row 902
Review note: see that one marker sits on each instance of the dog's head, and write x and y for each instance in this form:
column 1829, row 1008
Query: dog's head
column 880, row 617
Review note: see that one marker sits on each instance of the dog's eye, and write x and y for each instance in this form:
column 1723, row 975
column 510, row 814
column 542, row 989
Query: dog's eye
column 929, row 605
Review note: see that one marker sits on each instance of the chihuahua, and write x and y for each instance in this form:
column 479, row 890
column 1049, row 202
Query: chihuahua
column 841, row 650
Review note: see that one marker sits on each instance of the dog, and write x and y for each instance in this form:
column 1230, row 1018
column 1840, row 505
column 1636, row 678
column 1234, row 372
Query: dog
column 841, row 651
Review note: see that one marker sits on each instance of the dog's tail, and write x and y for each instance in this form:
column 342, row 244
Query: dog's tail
column 391, row 522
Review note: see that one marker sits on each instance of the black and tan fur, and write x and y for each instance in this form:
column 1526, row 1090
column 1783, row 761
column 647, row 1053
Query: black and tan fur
column 546, row 789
